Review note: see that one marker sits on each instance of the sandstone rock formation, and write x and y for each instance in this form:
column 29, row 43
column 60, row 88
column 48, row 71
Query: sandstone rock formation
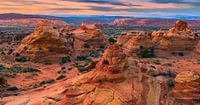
column 180, row 37
column 46, row 40
column 186, row 90
column 90, row 35
column 3, row 82
column 198, row 47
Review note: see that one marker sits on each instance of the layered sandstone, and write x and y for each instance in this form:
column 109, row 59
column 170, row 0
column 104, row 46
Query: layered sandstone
column 90, row 35
column 46, row 40
column 186, row 90
column 180, row 37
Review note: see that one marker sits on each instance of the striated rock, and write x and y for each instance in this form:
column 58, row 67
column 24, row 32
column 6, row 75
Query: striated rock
column 180, row 37
column 113, row 60
column 3, row 82
column 125, row 36
column 186, row 90
column 90, row 35
column 198, row 47
column 139, row 40
column 46, row 40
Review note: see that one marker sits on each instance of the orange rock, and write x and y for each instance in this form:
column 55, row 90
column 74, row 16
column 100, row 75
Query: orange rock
column 187, row 88
column 46, row 40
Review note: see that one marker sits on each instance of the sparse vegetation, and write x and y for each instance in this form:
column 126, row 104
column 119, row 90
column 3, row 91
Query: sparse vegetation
column 81, row 58
column 112, row 40
column 2, row 68
column 61, row 77
column 81, row 69
column 157, row 62
column 170, row 83
column 12, row 88
column 86, row 45
column 65, row 60
column 47, row 82
column 22, row 59
column 47, row 62
column 146, row 53
column 26, row 70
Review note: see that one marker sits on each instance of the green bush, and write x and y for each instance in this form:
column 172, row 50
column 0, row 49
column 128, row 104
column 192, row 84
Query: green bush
column 17, row 55
column 47, row 62
column 86, row 45
column 12, row 88
column 65, row 60
column 170, row 83
column 69, row 68
column 30, row 70
column 60, row 77
column 81, row 69
column 157, row 62
column 146, row 53
column 112, row 40
column 81, row 58
column 25, row 48
column 88, row 60
column 10, row 51
column 22, row 59
column 47, row 82
column 2, row 68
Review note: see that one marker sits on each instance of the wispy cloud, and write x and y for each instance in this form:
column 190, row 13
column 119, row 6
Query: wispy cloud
column 29, row 2
column 112, row 2
column 189, row 2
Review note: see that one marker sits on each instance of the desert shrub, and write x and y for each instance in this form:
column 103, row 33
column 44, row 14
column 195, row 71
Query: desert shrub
column 25, row 48
column 16, row 68
column 30, row 70
column 63, row 68
column 156, row 62
column 69, row 68
column 81, row 69
column 94, row 53
column 81, row 58
column 10, row 51
column 47, row 62
column 88, row 60
column 146, row 53
column 12, row 88
column 180, row 54
column 22, row 59
column 60, row 77
column 112, row 40
column 64, row 60
column 17, row 55
column 47, row 82
column 86, row 45
column 2, row 68
column 101, row 46
column 170, row 83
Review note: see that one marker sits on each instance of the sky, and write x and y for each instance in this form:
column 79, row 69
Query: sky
column 102, row 7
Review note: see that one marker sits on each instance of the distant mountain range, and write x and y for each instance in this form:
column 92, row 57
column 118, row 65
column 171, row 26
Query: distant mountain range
column 91, row 19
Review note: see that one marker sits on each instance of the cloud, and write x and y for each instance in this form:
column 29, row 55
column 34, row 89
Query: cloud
column 65, row 9
column 29, row 2
column 189, row 2
column 112, row 2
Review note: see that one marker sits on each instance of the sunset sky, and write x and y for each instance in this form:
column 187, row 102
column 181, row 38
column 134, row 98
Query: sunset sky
column 102, row 7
